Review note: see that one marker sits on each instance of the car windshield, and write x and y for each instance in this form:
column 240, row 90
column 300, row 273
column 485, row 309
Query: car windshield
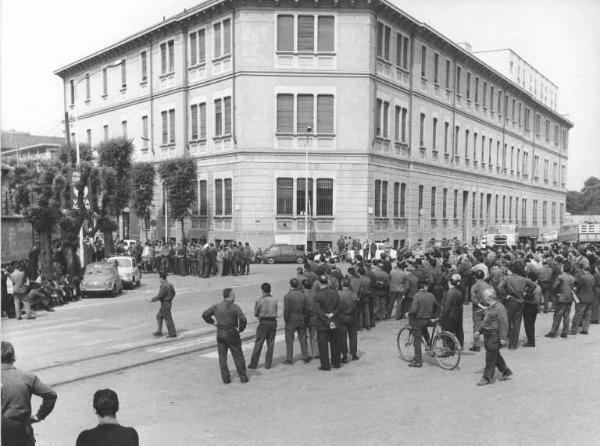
column 98, row 269
column 122, row 262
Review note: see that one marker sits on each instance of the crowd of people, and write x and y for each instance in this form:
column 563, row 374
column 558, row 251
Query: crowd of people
column 505, row 287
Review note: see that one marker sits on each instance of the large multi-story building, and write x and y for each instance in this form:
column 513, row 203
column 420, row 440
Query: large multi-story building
column 398, row 132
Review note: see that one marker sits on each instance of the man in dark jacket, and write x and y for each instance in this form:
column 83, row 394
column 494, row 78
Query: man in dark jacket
column 230, row 321
column 584, row 286
column 348, row 319
column 424, row 308
column 165, row 296
column 17, row 388
column 295, row 318
column 563, row 290
column 451, row 316
column 265, row 310
column 327, row 309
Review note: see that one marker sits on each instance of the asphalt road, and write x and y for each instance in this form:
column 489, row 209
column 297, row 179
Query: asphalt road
column 170, row 389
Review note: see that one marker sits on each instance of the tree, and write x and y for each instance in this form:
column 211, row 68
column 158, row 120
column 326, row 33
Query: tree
column 180, row 178
column 142, row 190
column 587, row 201
column 37, row 198
column 109, row 187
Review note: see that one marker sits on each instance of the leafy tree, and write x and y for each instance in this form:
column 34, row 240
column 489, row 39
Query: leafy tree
column 38, row 198
column 587, row 201
column 109, row 187
column 180, row 177
column 142, row 189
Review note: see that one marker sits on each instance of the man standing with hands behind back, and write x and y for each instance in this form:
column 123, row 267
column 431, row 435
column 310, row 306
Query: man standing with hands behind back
column 165, row 295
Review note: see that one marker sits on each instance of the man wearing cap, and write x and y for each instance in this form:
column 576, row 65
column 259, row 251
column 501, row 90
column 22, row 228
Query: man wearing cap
column 265, row 310
column 17, row 388
column 451, row 316
column 327, row 309
column 477, row 290
column 423, row 309
column 230, row 321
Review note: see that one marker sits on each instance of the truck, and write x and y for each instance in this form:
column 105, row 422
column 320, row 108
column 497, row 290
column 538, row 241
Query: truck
column 500, row 235
column 580, row 233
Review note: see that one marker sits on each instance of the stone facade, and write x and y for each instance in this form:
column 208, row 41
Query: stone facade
column 350, row 94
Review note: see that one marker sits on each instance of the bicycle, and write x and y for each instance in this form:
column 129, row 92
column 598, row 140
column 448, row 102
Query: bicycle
column 443, row 346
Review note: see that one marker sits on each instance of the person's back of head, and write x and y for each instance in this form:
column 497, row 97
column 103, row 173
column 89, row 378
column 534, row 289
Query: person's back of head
column 266, row 288
column 7, row 353
column 106, row 403
column 307, row 284
column 293, row 283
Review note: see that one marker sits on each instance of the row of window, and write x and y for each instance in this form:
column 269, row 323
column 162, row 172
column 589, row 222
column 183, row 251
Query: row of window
column 223, row 194
column 474, row 88
column 474, row 145
column 291, row 195
column 197, row 56
column 301, row 113
column 477, row 202
column 302, row 33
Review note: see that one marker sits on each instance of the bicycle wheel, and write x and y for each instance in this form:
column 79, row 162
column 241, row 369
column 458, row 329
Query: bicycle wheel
column 446, row 350
column 405, row 344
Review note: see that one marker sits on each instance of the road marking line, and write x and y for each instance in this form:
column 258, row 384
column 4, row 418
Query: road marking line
column 33, row 330
column 38, row 322
column 192, row 343
column 246, row 346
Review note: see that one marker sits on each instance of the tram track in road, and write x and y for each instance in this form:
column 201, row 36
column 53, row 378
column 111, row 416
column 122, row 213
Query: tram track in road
column 119, row 358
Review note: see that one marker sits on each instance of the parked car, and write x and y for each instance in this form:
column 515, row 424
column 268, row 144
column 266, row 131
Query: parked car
column 551, row 236
column 101, row 278
column 128, row 269
column 283, row 253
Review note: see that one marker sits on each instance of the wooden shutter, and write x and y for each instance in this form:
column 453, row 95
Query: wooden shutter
column 377, row 198
column 305, row 112
column 285, row 113
column 203, row 198
column 202, row 116
column 217, row 40
column 165, row 127
column 285, row 33
column 171, row 46
column 194, row 118
column 201, row 46
column 226, row 37
column 227, row 111
column 193, row 49
column 163, row 58
column 228, row 196
column 172, row 126
column 306, row 33
column 325, row 40
column 218, row 118
column 219, row 197
column 325, row 113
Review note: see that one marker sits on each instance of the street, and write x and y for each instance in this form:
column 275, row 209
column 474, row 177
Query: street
column 171, row 392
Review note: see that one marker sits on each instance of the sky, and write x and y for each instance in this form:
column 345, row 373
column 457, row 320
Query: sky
column 558, row 37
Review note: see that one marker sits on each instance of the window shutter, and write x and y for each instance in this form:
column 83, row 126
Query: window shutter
column 217, row 40
column 202, row 113
column 226, row 36
column 324, row 196
column 218, row 197
column 227, row 105
column 325, row 113
column 228, row 196
column 285, row 33
column 285, row 113
column 201, row 46
column 218, row 118
column 285, row 194
column 163, row 58
column 194, row 122
column 203, row 198
column 399, row 50
column 171, row 46
column 326, row 33
column 144, row 66
column 384, row 192
column 193, row 49
column 377, row 198
column 305, row 111
column 165, row 127
column 172, row 125
column 306, row 33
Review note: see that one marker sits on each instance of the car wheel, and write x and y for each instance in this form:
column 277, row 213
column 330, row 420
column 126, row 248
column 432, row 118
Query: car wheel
column 270, row 260
column 113, row 292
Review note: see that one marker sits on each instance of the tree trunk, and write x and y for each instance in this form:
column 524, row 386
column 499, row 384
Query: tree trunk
column 72, row 261
column 108, row 243
column 45, row 260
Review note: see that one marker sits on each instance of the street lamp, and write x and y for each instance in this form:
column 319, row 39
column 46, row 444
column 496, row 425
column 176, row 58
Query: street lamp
column 308, row 130
column 77, row 147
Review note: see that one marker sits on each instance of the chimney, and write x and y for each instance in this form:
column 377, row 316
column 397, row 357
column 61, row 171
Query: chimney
column 465, row 46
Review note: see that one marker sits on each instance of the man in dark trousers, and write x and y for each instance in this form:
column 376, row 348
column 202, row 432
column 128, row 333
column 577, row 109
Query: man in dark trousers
column 165, row 296
column 230, row 321
column 17, row 388
column 348, row 320
column 295, row 315
column 327, row 309
column 423, row 309
column 584, row 284
column 265, row 311
column 451, row 316
column 495, row 334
